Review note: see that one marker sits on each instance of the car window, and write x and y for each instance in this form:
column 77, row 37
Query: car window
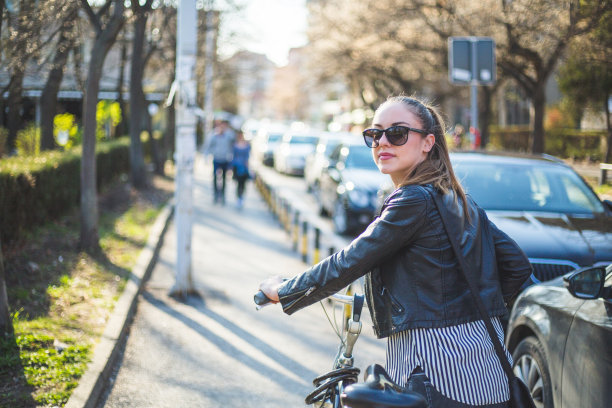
column 360, row 157
column 527, row 188
column 303, row 140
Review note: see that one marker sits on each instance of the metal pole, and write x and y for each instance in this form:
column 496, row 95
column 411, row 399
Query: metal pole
column 474, row 88
column 186, row 47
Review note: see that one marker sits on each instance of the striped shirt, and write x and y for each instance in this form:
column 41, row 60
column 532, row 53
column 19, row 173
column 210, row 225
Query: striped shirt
column 459, row 360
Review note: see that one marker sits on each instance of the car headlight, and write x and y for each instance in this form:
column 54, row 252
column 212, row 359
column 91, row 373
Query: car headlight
column 359, row 198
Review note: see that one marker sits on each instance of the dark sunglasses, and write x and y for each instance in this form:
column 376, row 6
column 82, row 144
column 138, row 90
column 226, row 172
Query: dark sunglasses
column 396, row 135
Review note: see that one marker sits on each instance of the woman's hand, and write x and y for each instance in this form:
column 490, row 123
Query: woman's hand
column 270, row 287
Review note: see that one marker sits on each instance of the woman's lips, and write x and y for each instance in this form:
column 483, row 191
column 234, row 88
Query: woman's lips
column 385, row 156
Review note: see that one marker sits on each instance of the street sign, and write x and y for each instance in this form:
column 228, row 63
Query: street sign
column 471, row 60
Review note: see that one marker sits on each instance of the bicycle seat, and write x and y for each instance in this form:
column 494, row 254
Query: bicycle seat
column 379, row 391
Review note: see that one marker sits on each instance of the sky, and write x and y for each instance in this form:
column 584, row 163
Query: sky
column 269, row 27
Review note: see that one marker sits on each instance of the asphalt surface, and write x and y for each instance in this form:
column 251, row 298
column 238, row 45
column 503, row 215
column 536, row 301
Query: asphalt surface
column 217, row 350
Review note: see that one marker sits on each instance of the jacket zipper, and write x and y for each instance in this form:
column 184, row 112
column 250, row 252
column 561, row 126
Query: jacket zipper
column 302, row 294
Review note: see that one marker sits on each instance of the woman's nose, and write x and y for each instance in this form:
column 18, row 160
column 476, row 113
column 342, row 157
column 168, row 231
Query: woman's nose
column 383, row 140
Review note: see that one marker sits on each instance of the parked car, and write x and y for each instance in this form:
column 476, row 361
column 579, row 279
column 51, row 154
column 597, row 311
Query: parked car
column 560, row 337
column 544, row 205
column 349, row 186
column 319, row 159
column 290, row 154
column 266, row 141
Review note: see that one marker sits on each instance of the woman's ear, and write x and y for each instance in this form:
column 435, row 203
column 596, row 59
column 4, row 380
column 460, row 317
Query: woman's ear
column 430, row 141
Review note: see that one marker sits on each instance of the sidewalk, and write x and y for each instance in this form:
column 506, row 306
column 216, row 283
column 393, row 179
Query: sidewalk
column 218, row 350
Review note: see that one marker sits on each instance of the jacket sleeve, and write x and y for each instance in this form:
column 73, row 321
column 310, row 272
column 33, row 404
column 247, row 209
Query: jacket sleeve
column 397, row 226
column 512, row 264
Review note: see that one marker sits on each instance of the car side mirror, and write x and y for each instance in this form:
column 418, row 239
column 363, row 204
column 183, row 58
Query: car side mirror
column 586, row 283
column 608, row 205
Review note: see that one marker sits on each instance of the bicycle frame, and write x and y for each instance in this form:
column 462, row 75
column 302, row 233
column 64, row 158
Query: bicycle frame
column 329, row 386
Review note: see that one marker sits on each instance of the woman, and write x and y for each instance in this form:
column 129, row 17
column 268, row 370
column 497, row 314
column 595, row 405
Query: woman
column 242, row 151
column 437, row 344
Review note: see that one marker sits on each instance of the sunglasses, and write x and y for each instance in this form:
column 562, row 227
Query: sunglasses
column 396, row 135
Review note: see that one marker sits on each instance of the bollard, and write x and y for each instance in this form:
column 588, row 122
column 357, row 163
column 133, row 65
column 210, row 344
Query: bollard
column 304, row 241
column 296, row 229
column 317, row 246
column 288, row 217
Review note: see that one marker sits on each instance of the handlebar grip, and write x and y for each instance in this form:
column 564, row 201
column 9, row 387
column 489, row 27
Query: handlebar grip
column 261, row 299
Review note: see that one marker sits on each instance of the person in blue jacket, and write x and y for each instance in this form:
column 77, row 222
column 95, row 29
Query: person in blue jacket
column 240, row 166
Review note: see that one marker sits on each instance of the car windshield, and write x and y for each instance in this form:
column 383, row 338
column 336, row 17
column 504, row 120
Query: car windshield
column 513, row 187
column 274, row 137
column 360, row 157
column 303, row 140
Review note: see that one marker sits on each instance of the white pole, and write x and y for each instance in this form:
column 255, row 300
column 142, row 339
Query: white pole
column 211, row 34
column 186, row 47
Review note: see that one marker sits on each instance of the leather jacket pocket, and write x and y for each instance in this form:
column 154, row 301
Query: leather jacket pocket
column 396, row 306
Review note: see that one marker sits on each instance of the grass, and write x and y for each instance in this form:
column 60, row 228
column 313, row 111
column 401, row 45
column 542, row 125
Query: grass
column 61, row 298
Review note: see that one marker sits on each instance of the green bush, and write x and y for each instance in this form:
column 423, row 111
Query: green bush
column 28, row 141
column 37, row 189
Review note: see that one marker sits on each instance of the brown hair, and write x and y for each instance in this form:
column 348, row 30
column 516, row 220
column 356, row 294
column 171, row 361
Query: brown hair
column 436, row 169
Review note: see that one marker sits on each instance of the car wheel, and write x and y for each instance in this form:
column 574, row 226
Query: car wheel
column 530, row 366
column 340, row 219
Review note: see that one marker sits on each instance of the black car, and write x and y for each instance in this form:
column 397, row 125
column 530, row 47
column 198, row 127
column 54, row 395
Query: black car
column 544, row 205
column 560, row 337
column 348, row 186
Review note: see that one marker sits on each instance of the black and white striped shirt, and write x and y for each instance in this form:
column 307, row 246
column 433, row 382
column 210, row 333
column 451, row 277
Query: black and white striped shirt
column 459, row 360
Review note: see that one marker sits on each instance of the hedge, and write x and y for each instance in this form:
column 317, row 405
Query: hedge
column 35, row 190
column 564, row 143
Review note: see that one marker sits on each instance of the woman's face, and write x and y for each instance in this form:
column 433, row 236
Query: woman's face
column 397, row 161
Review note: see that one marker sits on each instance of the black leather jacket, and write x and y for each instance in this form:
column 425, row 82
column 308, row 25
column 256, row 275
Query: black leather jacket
column 412, row 275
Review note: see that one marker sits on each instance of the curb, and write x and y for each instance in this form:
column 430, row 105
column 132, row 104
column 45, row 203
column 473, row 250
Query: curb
column 91, row 384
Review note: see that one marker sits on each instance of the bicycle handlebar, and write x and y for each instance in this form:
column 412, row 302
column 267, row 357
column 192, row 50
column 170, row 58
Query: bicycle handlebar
column 356, row 301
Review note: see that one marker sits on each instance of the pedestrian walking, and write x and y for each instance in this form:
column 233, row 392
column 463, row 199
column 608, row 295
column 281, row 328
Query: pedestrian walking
column 240, row 166
column 220, row 146
column 437, row 343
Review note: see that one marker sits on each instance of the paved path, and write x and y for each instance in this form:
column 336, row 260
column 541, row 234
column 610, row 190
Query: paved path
column 218, row 351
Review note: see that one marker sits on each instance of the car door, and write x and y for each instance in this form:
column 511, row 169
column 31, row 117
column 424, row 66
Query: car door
column 587, row 363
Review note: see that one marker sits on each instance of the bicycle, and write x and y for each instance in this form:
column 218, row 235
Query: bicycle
column 339, row 388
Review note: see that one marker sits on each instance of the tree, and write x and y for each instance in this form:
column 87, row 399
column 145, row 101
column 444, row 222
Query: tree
column 22, row 45
column 585, row 78
column 67, row 14
column 6, row 326
column 137, row 98
column 106, row 25
column 536, row 36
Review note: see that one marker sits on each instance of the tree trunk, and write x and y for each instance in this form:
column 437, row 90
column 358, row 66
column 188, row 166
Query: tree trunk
column 539, row 106
column 6, row 326
column 137, row 167
column 89, row 204
column 122, row 126
column 89, row 201
column 48, row 99
column 15, row 104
